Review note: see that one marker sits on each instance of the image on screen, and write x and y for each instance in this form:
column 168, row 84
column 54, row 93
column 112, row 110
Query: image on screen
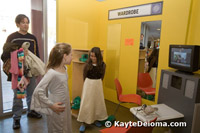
column 181, row 57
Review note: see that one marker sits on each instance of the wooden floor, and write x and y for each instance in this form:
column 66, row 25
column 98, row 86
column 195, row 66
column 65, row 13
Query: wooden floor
column 30, row 125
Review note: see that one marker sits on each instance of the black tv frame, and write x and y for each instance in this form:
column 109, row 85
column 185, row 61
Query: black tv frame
column 194, row 59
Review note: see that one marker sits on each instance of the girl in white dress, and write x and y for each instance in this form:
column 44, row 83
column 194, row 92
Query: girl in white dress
column 55, row 104
column 93, row 108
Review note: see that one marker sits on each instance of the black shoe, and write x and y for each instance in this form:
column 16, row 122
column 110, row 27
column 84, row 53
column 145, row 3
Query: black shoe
column 16, row 124
column 34, row 114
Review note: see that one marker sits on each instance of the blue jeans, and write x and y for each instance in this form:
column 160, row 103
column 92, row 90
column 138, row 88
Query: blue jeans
column 18, row 104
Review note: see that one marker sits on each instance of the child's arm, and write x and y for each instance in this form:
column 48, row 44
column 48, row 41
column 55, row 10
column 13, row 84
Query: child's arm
column 104, row 70
column 40, row 101
column 85, row 70
column 57, row 107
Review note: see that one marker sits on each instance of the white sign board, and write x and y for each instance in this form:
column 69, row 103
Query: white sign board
column 136, row 11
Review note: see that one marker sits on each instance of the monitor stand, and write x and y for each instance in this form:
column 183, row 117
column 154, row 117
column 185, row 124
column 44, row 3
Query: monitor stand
column 184, row 72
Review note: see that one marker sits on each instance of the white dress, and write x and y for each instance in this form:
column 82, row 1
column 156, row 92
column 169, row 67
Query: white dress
column 92, row 102
column 56, row 84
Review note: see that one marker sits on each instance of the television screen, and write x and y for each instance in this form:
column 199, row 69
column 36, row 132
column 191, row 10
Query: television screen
column 184, row 57
column 181, row 56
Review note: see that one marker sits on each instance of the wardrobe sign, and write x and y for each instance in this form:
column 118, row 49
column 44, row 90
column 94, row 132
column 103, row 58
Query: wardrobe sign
column 136, row 11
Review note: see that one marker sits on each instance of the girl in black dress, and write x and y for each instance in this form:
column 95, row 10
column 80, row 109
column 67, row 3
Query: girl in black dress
column 92, row 108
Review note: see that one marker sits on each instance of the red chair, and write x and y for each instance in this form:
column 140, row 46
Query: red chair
column 145, row 84
column 128, row 98
column 142, row 129
column 132, row 129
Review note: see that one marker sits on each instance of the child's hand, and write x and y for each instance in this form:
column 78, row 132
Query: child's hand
column 58, row 107
column 26, row 52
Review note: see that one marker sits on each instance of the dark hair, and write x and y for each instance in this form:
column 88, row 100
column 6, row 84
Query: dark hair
column 97, row 52
column 57, row 53
column 20, row 17
column 153, row 59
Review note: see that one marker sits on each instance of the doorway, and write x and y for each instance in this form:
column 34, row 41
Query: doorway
column 148, row 58
column 8, row 26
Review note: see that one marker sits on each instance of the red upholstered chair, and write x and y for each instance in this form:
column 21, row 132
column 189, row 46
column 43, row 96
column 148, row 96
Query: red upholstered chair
column 114, row 129
column 142, row 129
column 145, row 84
column 126, row 98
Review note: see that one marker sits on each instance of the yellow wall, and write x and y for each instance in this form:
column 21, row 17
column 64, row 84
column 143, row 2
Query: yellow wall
column 77, row 22
column 85, row 24
column 194, row 27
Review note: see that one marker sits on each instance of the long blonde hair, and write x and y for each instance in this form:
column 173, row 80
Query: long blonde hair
column 57, row 53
